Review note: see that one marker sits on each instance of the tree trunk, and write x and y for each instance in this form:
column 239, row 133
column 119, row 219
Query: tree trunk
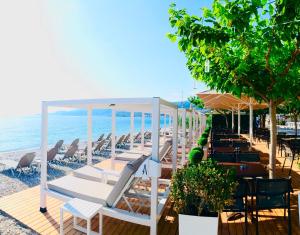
column 273, row 139
column 264, row 121
column 295, row 121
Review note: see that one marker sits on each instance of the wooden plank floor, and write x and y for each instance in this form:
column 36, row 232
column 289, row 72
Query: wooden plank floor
column 24, row 207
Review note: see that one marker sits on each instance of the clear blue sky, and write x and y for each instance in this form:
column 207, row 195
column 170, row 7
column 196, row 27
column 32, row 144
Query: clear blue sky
column 122, row 45
column 71, row 49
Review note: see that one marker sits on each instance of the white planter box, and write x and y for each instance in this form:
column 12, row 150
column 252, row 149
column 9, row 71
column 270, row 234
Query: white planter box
column 191, row 225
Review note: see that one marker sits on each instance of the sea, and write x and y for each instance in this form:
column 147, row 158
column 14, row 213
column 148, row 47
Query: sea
column 21, row 133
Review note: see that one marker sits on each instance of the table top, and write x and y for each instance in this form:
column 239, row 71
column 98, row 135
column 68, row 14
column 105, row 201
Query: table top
column 230, row 149
column 81, row 208
column 247, row 169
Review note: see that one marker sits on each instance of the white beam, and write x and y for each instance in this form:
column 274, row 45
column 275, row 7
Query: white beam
column 183, row 140
column 174, row 142
column 143, row 131
column 232, row 120
column 155, row 157
column 165, row 125
column 190, row 129
column 239, row 120
column 90, row 136
column 113, row 134
column 131, row 129
column 44, row 148
column 251, row 122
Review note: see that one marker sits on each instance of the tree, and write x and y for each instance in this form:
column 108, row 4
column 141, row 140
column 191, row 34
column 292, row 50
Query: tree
column 246, row 47
column 291, row 107
column 195, row 100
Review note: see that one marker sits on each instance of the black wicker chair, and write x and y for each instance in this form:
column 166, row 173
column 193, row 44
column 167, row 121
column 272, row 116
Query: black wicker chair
column 223, row 157
column 248, row 157
column 240, row 202
column 273, row 194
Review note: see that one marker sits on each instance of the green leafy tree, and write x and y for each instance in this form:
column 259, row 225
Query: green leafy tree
column 244, row 47
column 195, row 100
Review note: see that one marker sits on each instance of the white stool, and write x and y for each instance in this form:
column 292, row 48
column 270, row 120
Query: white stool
column 81, row 209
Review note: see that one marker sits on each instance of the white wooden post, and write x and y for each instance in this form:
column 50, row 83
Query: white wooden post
column 190, row 130
column 44, row 148
column 90, row 137
column 131, row 129
column 193, row 122
column 251, row 122
column 183, row 137
column 239, row 120
column 165, row 125
column 143, row 131
column 175, row 139
column 232, row 120
column 155, row 157
column 113, row 134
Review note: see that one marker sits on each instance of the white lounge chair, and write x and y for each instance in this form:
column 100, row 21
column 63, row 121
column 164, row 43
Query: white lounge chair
column 109, row 195
column 97, row 174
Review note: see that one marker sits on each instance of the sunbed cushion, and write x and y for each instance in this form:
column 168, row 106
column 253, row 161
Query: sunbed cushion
column 75, row 187
column 94, row 174
column 128, row 156
column 129, row 170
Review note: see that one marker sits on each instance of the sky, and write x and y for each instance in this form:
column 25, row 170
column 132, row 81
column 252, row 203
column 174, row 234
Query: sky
column 72, row 49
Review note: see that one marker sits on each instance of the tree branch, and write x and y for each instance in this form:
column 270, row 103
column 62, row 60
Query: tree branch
column 294, row 54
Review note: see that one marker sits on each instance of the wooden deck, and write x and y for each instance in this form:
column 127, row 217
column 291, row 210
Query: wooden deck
column 24, row 207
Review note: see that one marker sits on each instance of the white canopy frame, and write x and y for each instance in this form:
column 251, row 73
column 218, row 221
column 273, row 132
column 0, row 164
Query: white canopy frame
column 156, row 106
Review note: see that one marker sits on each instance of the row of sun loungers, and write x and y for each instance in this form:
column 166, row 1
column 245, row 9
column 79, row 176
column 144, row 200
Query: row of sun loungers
column 65, row 154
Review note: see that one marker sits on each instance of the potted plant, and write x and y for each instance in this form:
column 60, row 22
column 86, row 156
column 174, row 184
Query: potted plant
column 199, row 192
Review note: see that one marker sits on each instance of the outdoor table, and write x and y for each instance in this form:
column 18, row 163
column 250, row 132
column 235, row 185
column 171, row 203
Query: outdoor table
column 229, row 149
column 247, row 169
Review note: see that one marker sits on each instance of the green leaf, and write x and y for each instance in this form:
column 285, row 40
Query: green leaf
column 172, row 37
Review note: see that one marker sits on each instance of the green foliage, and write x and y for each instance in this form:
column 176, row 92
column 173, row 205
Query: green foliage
column 252, row 46
column 195, row 100
column 202, row 141
column 202, row 188
column 196, row 155
column 209, row 121
column 204, row 134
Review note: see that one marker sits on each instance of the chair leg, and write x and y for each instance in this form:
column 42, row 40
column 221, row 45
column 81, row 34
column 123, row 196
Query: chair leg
column 289, row 221
column 246, row 222
column 256, row 219
column 283, row 163
column 291, row 165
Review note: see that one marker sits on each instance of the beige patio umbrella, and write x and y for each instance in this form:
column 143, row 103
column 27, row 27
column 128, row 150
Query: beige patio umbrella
column 226, row 101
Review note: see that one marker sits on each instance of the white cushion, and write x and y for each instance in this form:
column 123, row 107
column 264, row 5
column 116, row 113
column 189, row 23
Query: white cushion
column 94, row 174
column 80, row 188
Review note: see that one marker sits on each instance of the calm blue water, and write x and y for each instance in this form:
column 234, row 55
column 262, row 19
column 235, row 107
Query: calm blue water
column 24, row 132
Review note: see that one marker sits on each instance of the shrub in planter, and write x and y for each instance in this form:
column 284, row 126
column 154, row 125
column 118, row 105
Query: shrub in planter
column 202, row 141
column 195, row 156
column 204, row 134
column 203, row 188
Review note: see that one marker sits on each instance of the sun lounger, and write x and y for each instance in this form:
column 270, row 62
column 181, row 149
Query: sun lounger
column 25, row 163
column 69, row 156
column 97, row 174
column 59, row 144
column 75, row 142
column 108, row 195
column 100, row 137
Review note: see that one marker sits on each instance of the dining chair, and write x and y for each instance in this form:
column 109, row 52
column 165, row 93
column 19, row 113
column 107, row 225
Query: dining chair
column 273, row 194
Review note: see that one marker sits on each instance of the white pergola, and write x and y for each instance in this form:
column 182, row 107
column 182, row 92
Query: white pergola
column 226, row 101
column 196, row 126
column 155, row 106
